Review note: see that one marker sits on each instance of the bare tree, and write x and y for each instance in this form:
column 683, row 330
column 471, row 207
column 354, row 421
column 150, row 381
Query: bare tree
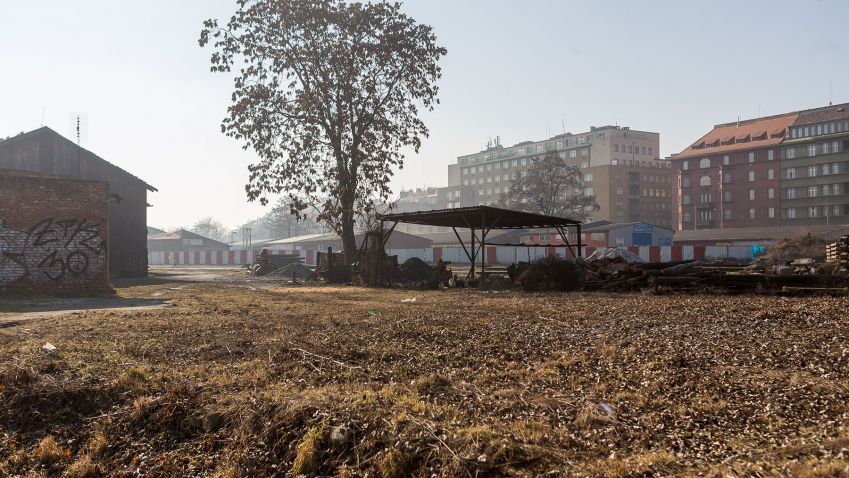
column 327, row 93
column 550, row 187
column 211, row 228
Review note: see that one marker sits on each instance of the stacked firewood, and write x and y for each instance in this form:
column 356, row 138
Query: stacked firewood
column 837, row 253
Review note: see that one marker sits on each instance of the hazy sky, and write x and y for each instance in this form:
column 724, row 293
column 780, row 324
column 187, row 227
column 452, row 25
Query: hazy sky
column 518, row 69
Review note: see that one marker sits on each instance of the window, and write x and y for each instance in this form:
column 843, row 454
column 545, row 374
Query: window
column 790, row 173
column 791, row 153
column 474, row 169
column 561, row 155
column 643, row 149
column 770, row 174
column 573, row 154
column 835, row 168
column 615, row 148
column 835, row 189
column 770, row 155
column 770, row 193
column 539, row 148
column 835, row 211
column 704, row 163
column 835, row 147
column 515, row 162
column 489, row 167
column 588, row 192
column 704, row 181
column 812, row 191
column 585, row 153
column 812, row 171
column 826, row 189
column 824, row 170
column 619, row 191
column 726, row 160
column 751, row 213
column 686, row 217
column 726, row 178
column 791, row 193
column 826, row 148
column 685, row 165
column 791, row 213
column 813, row 211
column 474, row 181
column 465, row 182
column 465, row 171
column 498, row 166
column 751, row 194
column 650, row 151
column 751, row 176
column 770, row 212
column 685, row 199
column 524, row 161
column 812, row 150
column 585, row 164
column 751, row 157
column 727, row 214
column 726, row 196
column 588, row 177
column 685, row 182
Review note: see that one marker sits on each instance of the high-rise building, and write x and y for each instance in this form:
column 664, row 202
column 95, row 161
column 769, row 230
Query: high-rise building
column 620, row 167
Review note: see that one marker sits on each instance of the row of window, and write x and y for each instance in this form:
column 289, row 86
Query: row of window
column 727, row 215
column 572, row 154
column 633, row 149
column 813, row 211
column 814, row 149
column 814, row 171
column 525, row 150
column 814, row 191
column 819, row 129
column 706, row 163
column 636, row 163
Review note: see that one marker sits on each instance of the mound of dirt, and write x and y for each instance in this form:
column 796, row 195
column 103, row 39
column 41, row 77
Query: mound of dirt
column 415, row 270
column 299, row 271
column 551, row 273
column 798, row 247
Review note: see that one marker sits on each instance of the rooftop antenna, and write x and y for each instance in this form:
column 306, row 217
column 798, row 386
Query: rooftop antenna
column 78, row 127
column 43, row 109
column 563, row 123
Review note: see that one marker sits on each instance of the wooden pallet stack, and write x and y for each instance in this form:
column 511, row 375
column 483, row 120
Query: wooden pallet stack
column 837, row 253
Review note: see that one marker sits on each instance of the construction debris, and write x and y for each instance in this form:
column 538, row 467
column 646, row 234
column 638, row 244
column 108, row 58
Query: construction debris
column 837, row 254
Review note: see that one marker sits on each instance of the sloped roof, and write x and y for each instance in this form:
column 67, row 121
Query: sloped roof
column 44, row 130
column 826, row 113
column 746, row 130
column 179, row 235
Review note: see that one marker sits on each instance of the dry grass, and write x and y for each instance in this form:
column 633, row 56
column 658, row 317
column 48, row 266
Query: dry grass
column 238, row 382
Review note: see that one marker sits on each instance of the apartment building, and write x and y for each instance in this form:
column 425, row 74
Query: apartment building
column 815, row 168
column 730, row 176
column 620, row 168
column 787, row 169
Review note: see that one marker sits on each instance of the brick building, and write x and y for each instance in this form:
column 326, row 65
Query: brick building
column 53, row 233
column 620, row 168
column 787, row 169
column 46, row 151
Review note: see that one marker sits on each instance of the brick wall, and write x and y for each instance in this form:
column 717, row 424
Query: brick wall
column 53, row 234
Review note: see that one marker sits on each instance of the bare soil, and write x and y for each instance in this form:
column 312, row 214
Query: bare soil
column 242, row 378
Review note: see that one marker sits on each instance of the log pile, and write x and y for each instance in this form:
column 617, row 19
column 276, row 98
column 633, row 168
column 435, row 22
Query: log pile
column 837, row 253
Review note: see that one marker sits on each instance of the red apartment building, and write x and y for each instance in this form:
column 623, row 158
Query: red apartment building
column 730, row 177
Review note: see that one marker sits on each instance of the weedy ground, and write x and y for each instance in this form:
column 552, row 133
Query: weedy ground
column 238, row 381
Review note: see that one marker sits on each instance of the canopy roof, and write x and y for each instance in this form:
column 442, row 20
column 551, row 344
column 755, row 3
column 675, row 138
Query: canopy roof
column 479, row 217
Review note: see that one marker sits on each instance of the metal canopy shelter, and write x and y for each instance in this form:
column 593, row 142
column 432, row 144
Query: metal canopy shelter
column 484, row 219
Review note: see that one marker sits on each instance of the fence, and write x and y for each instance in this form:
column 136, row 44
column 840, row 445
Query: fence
column 503, row 255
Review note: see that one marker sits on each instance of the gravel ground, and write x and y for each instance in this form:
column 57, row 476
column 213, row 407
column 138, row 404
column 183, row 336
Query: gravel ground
column 250, row 381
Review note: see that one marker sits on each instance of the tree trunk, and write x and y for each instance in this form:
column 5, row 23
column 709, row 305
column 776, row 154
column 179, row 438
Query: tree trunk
column 349, row 242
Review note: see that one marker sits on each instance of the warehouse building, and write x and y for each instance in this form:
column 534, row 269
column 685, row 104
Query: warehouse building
column 45, row 151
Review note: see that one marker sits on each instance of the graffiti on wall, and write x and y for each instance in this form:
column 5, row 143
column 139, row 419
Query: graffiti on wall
column 52, row 250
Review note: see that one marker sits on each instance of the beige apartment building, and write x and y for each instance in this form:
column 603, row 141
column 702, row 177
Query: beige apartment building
column 620, row 168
